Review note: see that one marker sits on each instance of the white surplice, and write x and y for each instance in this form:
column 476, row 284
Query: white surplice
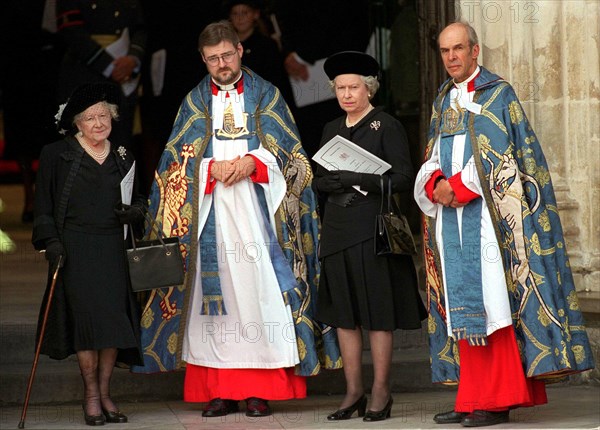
column 495, row 296
column 258, row 330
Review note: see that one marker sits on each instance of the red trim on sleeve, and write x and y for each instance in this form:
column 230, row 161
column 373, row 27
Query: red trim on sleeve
column 70, row 24
column 210, row 182
column 430, row 185
column 261, row 174
column 461, row 192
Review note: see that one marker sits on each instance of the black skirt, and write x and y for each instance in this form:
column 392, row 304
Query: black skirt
column 359, row 289
column 99, row 301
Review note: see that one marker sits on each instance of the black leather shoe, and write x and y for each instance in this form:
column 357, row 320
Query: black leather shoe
column 346, row 413
column 114, row 416
column 93, row 420
column 449, row 417
column 381, row 415
column 256, row 407
column 220, row 407
column 484, row 418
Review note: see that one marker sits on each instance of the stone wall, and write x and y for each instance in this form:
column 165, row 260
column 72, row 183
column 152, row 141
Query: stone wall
column 549, row 51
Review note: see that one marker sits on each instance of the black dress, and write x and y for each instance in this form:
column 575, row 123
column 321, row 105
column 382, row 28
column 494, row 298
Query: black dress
column 93, row 306
column 356, row 287
column 95, row 273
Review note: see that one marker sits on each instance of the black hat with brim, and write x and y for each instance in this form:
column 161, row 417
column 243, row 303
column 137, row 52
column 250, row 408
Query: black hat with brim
column 351, row 62
column 83, row 97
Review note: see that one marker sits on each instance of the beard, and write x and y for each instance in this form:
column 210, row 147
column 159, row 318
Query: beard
column 225, row 76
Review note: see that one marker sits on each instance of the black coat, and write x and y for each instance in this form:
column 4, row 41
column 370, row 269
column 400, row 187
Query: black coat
column 261, row 55
column 81, row 25
column 59, row 166
column 79, row 21
column 384, row 136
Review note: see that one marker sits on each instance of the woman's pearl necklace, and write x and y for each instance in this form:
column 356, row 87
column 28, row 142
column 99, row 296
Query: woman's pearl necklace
column 353, row 123
column 98, row 156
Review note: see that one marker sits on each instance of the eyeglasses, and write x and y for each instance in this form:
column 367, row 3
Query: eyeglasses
column 103, row 117
column 227, row 58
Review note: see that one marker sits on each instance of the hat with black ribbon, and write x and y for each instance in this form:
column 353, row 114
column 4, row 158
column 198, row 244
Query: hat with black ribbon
column 351, row 62
column 83, row 97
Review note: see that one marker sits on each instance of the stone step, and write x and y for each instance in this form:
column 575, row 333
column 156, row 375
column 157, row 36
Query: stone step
column 60, row 382
column 17, row 341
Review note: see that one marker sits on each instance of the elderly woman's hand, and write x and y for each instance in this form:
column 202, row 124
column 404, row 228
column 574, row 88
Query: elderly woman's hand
column 328, row 184
column 348, row 179
column 54, row 252
column 129, row 214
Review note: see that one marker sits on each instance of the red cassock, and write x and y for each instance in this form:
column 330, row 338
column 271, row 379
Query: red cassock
column 492, row 376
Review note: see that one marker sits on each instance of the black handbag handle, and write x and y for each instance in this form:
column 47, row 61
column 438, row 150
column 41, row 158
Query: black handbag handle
column 153, row 227
column 389, row 194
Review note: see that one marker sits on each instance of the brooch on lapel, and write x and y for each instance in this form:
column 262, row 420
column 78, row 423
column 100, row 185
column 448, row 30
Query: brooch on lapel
column 122, row 151
column 375, row 125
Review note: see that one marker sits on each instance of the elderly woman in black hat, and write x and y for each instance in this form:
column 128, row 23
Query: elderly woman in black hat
column 79, row 217
column 359, row 290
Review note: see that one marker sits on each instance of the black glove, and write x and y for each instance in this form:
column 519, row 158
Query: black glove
column 329, row 184
column 55, row 250
column 348, row 179
column 129, row 214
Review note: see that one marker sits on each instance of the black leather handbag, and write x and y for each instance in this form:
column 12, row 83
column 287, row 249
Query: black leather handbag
column 155, row 263
column 392, row 232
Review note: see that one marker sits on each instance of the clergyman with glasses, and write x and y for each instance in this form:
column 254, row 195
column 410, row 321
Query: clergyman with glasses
column 234, row 184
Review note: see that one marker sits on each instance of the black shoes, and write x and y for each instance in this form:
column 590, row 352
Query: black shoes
column 474, row 419
column 93, row 420
column 343, row 414
column 484, row 418
column 361, row 405
column 381, row 415
column 220, row 407
column 449, row 417
column 256, row 407
column 114, row 416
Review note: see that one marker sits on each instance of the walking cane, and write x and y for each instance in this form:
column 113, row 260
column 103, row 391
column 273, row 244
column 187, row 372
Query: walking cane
column 39, row 344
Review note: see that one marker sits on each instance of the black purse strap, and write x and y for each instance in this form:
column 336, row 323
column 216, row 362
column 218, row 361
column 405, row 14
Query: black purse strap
column 383, row 194
column 153, row 227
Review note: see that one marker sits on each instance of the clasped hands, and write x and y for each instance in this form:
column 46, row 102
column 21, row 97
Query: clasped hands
column 338, row 181
column 230, row 172
column 444, row 195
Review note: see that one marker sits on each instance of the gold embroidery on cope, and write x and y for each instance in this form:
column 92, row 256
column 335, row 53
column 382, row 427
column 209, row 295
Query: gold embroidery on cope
column 452, row 121
column 229, row 130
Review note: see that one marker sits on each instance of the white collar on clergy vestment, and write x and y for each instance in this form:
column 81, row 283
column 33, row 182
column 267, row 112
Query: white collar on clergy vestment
column 462, row 94
column 237, row 84
column 465, row 84
column 228, row 103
